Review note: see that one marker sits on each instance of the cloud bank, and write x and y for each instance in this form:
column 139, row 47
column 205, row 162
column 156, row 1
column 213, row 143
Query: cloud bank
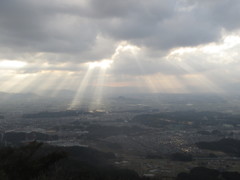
column 167, row 38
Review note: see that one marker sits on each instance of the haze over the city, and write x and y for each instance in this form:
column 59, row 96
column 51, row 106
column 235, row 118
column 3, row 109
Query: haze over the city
column 167, row 46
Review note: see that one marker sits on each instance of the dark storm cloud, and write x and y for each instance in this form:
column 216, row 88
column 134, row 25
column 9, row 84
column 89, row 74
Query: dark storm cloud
column 29, row 27
column 221, row 13
column 71, row 29
column 170, row 24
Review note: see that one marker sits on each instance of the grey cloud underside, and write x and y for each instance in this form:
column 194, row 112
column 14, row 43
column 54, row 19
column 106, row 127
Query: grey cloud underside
column 91, row 30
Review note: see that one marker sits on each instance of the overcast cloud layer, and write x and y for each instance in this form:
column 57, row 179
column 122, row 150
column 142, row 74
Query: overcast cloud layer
column 168, row 38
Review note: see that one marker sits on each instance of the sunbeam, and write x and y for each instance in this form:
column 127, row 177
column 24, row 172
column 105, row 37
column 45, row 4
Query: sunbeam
column 77, row 100
column 62, row 82
column 24, row 82
column 97, row 97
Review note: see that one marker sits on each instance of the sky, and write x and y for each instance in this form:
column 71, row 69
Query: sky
column 156, row 46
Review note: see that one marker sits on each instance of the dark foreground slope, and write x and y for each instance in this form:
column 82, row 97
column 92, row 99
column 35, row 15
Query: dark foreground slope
column 202, row 173
column 228, row 145
column 36, row 161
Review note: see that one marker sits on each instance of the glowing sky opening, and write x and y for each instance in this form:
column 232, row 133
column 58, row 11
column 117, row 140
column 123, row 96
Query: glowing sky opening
column 12, row 64
column 104, row 64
